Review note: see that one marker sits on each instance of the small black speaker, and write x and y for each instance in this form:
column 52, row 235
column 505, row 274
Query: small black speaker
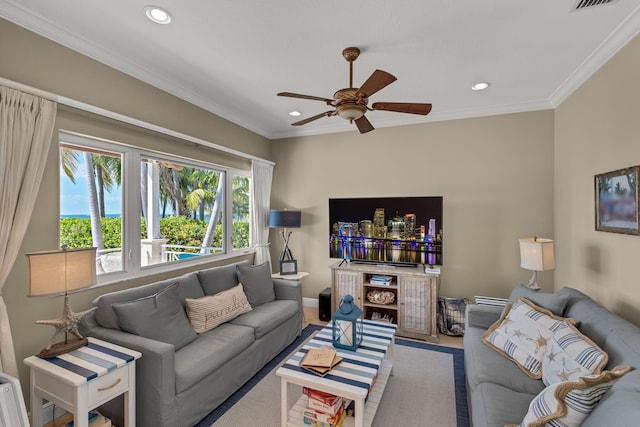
column 324, row 305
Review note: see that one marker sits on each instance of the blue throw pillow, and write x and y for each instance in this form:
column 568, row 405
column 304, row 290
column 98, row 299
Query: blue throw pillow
column 257, row 283
column 158, row 317
column 555, row 303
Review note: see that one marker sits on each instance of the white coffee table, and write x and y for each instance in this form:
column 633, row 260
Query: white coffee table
column 361, row 376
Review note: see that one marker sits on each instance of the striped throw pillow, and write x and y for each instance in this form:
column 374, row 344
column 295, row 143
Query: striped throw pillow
column 212, row 310
column 569, row 403
column 571, row 355
column 522, row 334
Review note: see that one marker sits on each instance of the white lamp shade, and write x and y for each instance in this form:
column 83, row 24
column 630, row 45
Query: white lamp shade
column 59, row 271
column 536, row 254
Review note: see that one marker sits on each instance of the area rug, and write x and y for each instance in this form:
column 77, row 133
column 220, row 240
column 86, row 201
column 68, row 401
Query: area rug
column 427, row 384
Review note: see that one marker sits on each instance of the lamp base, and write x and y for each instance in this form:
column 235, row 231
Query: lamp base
column 62, row 348
column 533, row 282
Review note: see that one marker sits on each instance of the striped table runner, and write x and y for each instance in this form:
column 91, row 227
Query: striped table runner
column 359, row 368
column 86, row 363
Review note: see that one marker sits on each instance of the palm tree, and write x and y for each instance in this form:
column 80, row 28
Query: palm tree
column 96, row 229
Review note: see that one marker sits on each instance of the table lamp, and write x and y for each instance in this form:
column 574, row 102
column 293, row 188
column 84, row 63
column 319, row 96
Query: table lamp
column 536, row 254
column 54, row 272
column 285, row 219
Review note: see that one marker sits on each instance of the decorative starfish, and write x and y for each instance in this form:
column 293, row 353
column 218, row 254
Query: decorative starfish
column 552, row 356
column 564, row 374
column 539, row 342
column 65, row 324
column 518, row 334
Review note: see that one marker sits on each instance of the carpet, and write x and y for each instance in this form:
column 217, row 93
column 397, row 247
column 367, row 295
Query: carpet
column 427, row 384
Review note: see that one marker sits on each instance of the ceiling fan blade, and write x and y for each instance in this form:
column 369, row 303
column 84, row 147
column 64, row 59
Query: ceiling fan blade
column 313, row 98
column 403, row 107
column 312, row 118
column 364, row 125
column 378, row 80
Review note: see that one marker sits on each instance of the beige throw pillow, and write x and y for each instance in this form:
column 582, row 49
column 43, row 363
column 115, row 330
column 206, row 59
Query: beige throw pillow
column 522, row 334
column 212, row 310
column 570, row 355
column 569, row 403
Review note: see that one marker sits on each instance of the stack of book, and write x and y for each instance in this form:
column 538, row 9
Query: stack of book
column 320, row 360
column 323, row 409
column 379, row 279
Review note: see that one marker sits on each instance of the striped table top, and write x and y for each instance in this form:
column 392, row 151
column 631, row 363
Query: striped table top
column 79, row 366
column 358, row 370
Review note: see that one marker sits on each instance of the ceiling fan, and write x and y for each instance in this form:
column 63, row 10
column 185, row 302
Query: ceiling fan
column 351, row 103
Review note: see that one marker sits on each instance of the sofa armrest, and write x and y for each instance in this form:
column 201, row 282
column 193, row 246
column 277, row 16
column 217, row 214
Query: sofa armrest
column 481, row 316
column 288, row 289
column 155, row 374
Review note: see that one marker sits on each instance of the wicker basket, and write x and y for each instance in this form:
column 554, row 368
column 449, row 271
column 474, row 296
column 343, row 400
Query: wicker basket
column 381, row 297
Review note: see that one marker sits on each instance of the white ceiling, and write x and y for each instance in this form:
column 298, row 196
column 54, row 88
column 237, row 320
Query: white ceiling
column 231, row 57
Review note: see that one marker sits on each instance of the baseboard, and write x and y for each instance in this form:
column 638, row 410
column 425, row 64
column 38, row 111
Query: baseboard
column 310, row 302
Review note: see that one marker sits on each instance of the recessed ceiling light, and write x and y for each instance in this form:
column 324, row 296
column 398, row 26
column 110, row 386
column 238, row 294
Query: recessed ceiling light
column 294, row 113
column 158, row 15
column 480, row 86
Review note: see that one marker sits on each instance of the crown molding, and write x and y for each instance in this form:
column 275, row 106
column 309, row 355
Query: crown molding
column 618, row 38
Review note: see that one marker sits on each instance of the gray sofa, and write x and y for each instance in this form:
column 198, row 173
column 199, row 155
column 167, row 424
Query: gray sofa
column 499, row 393
column 180, row 387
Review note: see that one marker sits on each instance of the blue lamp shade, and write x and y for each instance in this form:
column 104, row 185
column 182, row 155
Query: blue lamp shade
column 347, row 325
column 284, row 219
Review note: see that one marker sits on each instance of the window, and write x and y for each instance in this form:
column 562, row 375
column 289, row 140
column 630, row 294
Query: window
column 153, row 209
column 91, row 203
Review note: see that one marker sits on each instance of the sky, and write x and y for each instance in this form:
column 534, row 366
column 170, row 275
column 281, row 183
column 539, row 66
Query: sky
column 73, row 197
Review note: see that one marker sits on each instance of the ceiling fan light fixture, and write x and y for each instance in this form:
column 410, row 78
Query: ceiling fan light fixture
column 294, row 113
column 480, row 86
column 351, row 111
column 158, row 15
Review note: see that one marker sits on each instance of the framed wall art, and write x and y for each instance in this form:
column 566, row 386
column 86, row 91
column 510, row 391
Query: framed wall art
column 617, row 201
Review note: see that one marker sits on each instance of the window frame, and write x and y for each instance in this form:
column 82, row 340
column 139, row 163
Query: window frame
column 131, row 206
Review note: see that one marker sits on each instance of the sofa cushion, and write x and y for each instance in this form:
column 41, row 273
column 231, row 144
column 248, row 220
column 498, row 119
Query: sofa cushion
column 209, row 352
column 159, row 317
column 108, row 318
column 522, row 334
column 266, row 317
column 595, row 321
column 571, row 355
column 485, row 365
column 495, row 406
column 257, row 283
column 212, row 310
column 569, row 403
column 218, row 279
column 555, row 303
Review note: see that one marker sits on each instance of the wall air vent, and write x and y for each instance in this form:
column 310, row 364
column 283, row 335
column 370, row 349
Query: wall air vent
column 584, row 4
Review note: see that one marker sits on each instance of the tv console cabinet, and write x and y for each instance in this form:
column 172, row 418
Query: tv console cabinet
column 415, row 295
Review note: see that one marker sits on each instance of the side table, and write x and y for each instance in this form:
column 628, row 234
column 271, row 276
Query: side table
column 84, row 379
column 299, row 275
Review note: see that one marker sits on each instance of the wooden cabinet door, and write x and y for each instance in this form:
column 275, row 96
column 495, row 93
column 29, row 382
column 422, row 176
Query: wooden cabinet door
column 346, row 283
column 416, row 311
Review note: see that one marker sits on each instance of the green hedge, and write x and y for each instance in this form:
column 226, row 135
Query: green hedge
column 76, row 232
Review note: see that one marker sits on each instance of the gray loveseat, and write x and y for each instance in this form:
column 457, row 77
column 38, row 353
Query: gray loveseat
column 499, row 393
column 180, row 387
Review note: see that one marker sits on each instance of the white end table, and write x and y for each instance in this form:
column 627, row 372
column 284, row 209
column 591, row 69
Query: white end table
column 84, row 379
column 299, row 275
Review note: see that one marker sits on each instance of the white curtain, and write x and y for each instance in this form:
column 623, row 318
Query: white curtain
column 26, row 127
column 262, row 174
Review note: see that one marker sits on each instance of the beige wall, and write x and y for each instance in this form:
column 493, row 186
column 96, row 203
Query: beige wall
column 495, row 173
column 598, row 130
column 40, row 63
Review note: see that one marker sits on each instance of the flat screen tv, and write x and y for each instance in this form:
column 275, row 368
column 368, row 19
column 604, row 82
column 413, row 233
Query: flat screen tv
column 402, row 231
